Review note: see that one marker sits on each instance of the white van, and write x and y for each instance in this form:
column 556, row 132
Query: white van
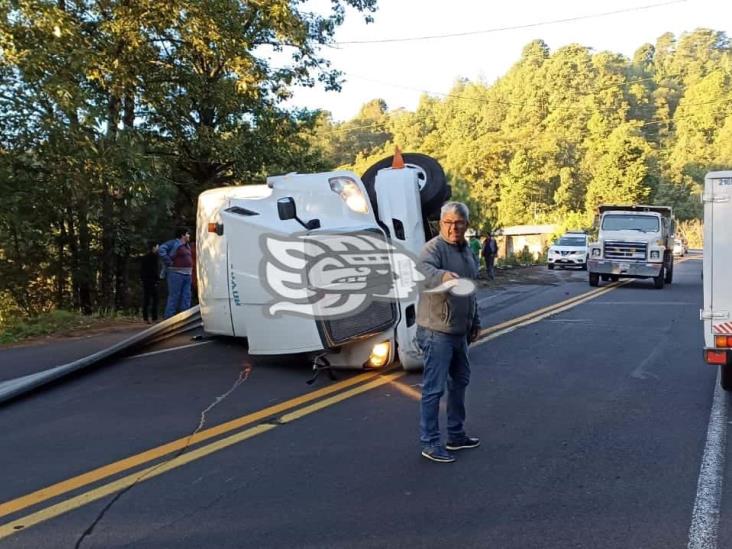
column 717, row 312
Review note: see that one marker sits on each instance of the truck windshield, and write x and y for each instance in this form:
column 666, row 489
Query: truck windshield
column 644, row 223
column 571, row 241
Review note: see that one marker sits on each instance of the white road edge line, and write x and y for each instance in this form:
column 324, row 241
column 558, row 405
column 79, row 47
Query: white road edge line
column 705, row 517
column 168, row 350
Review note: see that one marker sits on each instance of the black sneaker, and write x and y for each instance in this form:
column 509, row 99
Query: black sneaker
column 438, row 454
column 467, row 442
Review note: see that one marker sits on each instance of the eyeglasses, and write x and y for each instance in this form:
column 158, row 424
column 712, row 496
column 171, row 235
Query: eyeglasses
column 457, row 224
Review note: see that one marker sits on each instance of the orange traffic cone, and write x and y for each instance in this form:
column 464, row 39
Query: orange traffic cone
column 398, row 162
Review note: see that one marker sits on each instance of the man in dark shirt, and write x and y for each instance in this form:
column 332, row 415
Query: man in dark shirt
column 150, row 275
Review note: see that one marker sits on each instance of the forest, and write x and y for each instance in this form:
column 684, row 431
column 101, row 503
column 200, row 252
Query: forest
column 115, row 115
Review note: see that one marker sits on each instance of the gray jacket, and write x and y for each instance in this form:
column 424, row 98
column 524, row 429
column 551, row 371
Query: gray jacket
column 444, row 312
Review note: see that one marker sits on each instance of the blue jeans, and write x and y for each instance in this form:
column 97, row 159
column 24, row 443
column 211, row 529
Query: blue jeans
column 445, row 363
column 179, row 293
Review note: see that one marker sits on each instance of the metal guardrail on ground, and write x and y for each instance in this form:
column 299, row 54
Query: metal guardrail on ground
column 182, row 322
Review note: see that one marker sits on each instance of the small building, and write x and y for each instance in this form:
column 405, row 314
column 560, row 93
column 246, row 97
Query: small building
column 511, row 240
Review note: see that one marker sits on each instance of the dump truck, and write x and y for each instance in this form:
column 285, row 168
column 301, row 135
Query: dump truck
column 633, row 242
column 717, row 264
column 320, row 265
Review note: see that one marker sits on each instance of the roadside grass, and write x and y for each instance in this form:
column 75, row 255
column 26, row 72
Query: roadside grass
column 14, row 330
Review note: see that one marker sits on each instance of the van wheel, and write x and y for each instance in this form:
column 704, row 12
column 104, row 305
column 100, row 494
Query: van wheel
column 594, row 279
column 658, row 281
column 433, row 188
column 725, row 379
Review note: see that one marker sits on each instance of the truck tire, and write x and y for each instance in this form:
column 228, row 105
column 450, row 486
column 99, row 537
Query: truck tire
column 594, row 279
column 433, row 188
column 725, row 377
column 605, row 278
column 659, row 281
column 669, row 278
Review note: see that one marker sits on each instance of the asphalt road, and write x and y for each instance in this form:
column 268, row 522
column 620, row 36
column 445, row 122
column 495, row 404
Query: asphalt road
column 593, row 424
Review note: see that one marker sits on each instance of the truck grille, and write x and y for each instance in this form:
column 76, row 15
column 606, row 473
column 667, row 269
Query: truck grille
column 625, row 250
column 377, row 317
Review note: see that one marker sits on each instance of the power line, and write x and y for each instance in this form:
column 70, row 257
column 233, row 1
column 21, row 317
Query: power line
column 508, row 28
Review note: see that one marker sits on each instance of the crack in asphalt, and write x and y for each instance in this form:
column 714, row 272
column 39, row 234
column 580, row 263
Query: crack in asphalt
column 243, row 376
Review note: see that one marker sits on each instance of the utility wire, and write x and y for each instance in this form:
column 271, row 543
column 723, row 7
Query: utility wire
column 508, row 28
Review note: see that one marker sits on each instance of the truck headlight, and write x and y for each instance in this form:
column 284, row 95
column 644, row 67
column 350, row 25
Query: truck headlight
column 655, row 254
column 595, row 252
column 350, row 192
column 379, row 354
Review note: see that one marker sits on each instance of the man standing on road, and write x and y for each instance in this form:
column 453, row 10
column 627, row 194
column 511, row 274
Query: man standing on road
column 150, row 276
column 475, row 248
column 490, row 250
column 176, row 255
column 446, row 324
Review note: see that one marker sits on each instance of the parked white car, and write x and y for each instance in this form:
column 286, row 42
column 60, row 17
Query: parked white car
column 569, row 251
column 679, row 248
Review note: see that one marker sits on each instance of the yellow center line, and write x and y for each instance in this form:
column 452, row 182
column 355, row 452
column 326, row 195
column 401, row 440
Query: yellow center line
column 95, row 494
column 103, row 472
column 549, row 308
column 100, row 473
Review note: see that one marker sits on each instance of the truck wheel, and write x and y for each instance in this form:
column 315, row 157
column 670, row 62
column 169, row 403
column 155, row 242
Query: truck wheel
column 433, row 188
column 725, row 379
column 658, row 281
column 605, row 278
column 669, row 278
column 594, row 279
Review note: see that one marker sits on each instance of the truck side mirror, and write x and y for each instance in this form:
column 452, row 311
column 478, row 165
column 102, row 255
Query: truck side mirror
column 286, row 208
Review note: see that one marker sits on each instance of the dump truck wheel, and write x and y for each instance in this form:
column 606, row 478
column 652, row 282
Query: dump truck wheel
column 433, row 187
column 669, row 278
column 594, row 279
column 659, row 281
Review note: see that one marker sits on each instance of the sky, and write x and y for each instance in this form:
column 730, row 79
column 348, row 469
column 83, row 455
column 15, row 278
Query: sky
column 399, row 72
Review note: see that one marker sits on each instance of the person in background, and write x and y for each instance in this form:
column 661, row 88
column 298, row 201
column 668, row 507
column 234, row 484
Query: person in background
column 177, row 257
column 490, row 250
column 475, row 248
column 150, row 275
column 194, row 275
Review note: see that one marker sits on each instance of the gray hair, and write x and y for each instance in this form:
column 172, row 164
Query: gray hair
column 457, row 208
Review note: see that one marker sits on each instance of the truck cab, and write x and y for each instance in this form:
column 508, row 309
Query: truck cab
column 287, row 264
column 633, row 242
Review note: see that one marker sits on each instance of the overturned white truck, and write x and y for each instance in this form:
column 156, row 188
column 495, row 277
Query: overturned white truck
column 304, row 263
